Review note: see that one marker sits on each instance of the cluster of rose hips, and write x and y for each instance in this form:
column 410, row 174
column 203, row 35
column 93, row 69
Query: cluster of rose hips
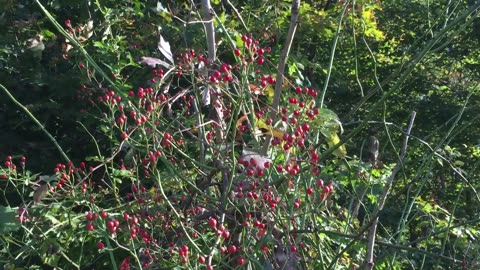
column 253, row 49
column 183, row 252
column 11, row 166
column 143, row 102
column 255, row 164
column 220, row 230
column 224, row 74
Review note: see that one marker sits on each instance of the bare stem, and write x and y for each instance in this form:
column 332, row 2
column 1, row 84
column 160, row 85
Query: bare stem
column 386, row 191
column 281, row 69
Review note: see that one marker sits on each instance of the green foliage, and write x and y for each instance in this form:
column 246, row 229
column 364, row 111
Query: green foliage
column 9, row 221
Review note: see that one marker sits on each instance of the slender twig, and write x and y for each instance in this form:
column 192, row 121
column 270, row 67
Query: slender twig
column 332, row 53
column 237, row 13
column 164, row 196
column 355, row 51
column 281, row 68
column 201, row 131
column 212, row 251
column 386, row 191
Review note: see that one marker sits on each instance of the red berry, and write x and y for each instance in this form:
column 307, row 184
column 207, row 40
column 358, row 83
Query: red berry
column 301, row 143
column 90, row 227
column 103, row 214
column 237, row 52
column 110, row 224
column 305, row 127
column 201, row 259
column 232, row 249
column 167, row 136
column 310, row 191
column 279, row 168
column 212, row 222
column 89, row 216
column 240, row 260
column 100, row 245
column 271, row 80
column 224, row 68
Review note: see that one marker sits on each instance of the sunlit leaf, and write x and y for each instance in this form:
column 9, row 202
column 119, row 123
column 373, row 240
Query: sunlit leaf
column 164, row 48
column 159, row 8
column 8, row 219
column 268, row 129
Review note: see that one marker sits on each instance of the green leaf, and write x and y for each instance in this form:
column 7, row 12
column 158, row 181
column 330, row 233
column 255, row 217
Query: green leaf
column 94, row 158
column 427, row 208
column 8, row 219
column 98, row 44
column 329, row 125
column 47, row 33
column 122, row 173
column 459, row 163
